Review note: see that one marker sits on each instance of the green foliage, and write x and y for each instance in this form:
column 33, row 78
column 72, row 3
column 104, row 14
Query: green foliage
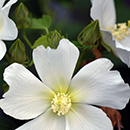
column 41, row 41
column 52, row 40
column 41, row 23
column 76, row 43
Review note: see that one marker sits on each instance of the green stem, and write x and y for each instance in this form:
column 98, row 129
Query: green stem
column 47, row 31
column 26, row 39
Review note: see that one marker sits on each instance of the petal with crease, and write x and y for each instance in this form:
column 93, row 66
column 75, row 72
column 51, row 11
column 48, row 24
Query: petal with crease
column 46, row 121
column 125, row 42
column 55, row 66
column 121, row 50
column 7, row 7
column 87, row 117
column 123, row 54
column 9, row 30
column 2, row 21
column 27, row 97
column 104, row 11
column 1, row 3
column 96, row 84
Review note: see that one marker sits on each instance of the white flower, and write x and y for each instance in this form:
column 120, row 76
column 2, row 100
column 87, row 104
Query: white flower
column 8, row 30
column 116, row 36
column 58, row 101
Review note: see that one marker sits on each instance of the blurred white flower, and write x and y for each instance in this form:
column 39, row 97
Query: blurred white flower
column 8, row 30
column 116, row 36
column 60, row 101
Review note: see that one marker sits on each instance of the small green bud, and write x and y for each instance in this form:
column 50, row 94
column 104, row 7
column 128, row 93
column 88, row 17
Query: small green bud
column 90, row 35
column 54, row 38
column 22, row 14
column 18, row 52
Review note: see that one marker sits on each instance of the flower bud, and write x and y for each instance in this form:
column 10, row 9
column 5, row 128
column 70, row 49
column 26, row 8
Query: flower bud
column 54, row 38
column 90, row 35
column 22, row 16
column 18, row 52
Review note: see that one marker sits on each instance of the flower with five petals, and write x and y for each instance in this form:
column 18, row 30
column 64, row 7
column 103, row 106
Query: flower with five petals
column 60, row 101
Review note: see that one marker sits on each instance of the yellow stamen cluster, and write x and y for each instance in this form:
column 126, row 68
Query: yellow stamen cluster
column 61, row 104
column 120, row 31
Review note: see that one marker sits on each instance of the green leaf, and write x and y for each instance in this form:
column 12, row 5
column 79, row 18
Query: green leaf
column 41, row 41
column 41, row 23
column 52, row 40
column 76, row 43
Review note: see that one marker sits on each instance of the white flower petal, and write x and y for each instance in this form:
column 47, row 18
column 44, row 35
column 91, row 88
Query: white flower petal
column 121, row 50
column 111, row 41
column 55, row 66
column 86, row 117
column 9, row 30
column 7, row 7
column 126, row 42
column 27, row 97
column 96, row 84
column 46, row 121
column 124, row 55
column 104, row 11
column 2, row 49
column 1, row 3
column 2, row 21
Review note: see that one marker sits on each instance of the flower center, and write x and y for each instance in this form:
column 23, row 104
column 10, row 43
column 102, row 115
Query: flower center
column 61, row 103
column 120, row 31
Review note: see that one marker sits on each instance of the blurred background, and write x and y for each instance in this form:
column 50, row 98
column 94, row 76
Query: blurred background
column 70, row 17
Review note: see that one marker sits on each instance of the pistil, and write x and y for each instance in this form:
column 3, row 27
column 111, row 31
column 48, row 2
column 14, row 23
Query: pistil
column 61, row 103
column 120, row 31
